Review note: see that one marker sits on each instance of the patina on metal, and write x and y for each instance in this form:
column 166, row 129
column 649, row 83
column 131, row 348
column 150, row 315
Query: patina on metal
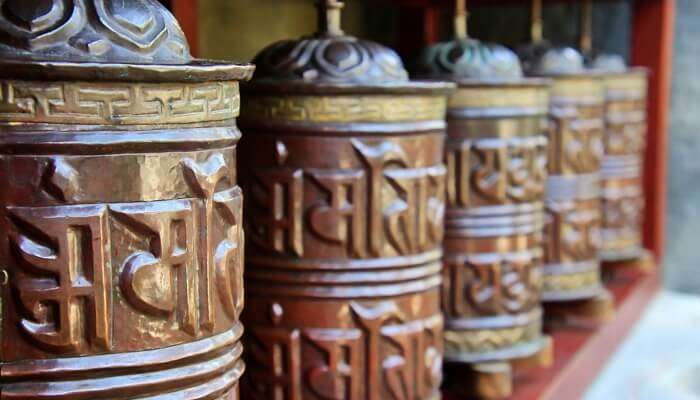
column 344, row 183
column 573, row 221
column 624, row 144
column 496, row 156
column 120, row 220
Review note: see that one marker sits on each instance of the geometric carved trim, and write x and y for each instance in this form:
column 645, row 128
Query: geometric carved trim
column 500, row 96
column 587, row 88
column 483, row 340
column 571, row 282
column 346, row 108
column 118, row 103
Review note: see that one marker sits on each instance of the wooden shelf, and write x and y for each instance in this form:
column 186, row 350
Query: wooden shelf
column 581, row 354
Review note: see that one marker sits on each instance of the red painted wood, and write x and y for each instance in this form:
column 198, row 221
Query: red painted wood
column 652, row 47
column 419, row 26
column 186, row 12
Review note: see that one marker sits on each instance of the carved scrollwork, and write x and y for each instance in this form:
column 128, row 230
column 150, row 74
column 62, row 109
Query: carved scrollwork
column 339, row 59
column 469, row 58
column 497, row 172
column 91, row 30
column 65, row 283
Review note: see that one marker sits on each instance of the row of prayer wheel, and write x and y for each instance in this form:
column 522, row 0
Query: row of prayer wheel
column 390, row 224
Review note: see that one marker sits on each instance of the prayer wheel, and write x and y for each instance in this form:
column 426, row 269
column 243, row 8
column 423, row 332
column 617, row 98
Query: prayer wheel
column 573, row 222
column 624, row 145
column 344, row 183
column 496, row 157
column 120, row 220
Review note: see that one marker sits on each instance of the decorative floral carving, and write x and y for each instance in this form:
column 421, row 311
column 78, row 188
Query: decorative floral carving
column 91, row 30
column 469, row 58
column 338, row 59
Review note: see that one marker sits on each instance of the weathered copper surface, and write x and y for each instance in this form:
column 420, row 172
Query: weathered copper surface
column 344, row 219
column 496, row 173
column 572, row 227
column 573, row 222
column 496, row 156
column 625, row 142
column 120, row 219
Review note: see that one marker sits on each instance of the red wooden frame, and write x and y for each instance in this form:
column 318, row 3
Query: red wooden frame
column 652, row 47
column 187, row 14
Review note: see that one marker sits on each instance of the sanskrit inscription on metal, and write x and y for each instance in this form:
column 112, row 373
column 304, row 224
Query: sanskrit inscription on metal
column 496, row 159
column 573, row 222
column 121, row 229
column 343, row 269
column 625, row 142
column 342, row 170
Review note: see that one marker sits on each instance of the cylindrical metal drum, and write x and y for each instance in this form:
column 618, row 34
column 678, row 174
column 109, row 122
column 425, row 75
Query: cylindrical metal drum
column 573, row 221
column 344, row 218
column 496, row 156
column 572, row 227
column 624, row 143
column 120, row 219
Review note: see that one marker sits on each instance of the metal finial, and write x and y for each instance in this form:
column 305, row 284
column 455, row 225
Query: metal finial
column 586, row 40
column 329, row 17
column 460, row 19
column 536, row 21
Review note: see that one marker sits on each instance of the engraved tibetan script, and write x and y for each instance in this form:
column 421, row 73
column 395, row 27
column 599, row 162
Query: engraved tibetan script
column 386, row 356
column 172, row 260
column 64, row 255
column 276, row 194
column 495, row 171
column 170, row 227
column 341, row 219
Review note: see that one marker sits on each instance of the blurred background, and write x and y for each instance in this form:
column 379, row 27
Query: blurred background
column 659, row 360
column 238, row 29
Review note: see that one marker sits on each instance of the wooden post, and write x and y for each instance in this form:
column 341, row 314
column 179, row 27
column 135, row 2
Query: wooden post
column 186, row 12
column 652, row 47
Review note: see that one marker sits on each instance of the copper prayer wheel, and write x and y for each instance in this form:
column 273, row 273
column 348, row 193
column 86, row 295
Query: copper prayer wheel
column 344, row 219
column 120, row 219
column 573, row 222
column 624, row 144
column 496, row 157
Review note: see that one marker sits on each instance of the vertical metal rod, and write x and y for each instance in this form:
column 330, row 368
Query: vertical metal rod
column 329, row 17
column 586, row 39
column 460, row 19
column 536, row 21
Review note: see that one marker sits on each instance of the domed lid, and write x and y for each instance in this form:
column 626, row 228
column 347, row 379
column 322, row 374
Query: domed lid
column 329, row 57
column 541, row 59
column 609, row 63
column 100, row 39
column 467, row 58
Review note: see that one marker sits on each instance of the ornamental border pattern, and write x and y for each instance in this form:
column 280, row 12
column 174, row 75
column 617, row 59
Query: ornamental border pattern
column 346, row 108
column 584, row 86
column 115, row 103
column 570, row 282
column 500, row 96
column 484, row 340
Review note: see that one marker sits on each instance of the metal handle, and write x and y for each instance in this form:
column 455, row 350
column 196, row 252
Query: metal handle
column 329, row 17
column 536, row 21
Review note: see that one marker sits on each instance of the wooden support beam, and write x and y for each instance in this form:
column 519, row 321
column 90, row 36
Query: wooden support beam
column 186, row 12
column 652, row 47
